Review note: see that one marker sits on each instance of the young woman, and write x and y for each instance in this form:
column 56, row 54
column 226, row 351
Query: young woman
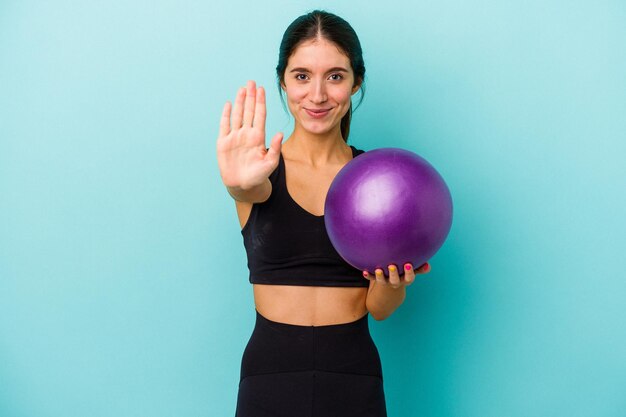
column 310, row 353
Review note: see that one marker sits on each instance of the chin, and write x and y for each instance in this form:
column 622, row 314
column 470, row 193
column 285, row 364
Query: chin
column 318, row 128
column 318, row 131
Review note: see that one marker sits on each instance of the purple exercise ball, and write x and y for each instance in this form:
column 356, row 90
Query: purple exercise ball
column 387, row 206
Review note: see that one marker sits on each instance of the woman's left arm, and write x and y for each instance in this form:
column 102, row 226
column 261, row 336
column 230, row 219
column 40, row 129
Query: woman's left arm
column 386, row 294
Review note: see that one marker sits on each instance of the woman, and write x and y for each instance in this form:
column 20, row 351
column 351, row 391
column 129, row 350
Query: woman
column 310, row 353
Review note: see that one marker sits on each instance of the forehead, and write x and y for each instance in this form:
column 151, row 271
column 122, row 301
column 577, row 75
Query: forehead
column 318, row 54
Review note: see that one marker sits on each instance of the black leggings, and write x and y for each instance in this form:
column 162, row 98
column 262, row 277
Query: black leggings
column 311, row 371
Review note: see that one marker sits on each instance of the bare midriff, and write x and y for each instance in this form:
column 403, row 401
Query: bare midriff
column 310, row 306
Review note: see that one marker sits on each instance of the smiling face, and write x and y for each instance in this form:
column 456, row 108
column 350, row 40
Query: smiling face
column 319, row 82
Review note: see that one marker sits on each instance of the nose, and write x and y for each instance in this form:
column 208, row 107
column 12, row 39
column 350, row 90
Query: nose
column 317, row 94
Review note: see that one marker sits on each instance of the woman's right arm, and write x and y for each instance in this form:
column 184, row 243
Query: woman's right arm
column 245, row 163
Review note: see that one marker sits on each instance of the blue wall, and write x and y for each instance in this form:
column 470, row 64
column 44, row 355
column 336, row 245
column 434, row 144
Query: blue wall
column 123, row 283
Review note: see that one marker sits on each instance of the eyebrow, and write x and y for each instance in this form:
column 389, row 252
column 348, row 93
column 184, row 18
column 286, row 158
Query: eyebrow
column 334, row 69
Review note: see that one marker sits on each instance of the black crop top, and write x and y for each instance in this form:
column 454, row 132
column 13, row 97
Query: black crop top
column 287, row 245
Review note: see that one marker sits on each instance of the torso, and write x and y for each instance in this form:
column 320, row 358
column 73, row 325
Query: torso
column 306, row 305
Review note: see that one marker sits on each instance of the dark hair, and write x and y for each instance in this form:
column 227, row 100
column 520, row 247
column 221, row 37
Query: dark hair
column 321, row 24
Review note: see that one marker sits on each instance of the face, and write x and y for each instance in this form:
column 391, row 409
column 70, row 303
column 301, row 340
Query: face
column 319, row 82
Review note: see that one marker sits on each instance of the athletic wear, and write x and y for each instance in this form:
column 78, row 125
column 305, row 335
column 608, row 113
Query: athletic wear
column 304, row 371
column 311, row 371
column 287, row 245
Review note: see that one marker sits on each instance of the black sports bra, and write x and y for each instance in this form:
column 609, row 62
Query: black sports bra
column 287, row 245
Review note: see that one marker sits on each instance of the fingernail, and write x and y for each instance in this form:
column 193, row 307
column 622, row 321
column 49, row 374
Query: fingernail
column 365, row 274
column 392, row 268
column 408, row 267
column 379, row 271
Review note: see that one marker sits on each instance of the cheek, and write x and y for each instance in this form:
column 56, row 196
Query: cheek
column 295, row 93
column 342, row 95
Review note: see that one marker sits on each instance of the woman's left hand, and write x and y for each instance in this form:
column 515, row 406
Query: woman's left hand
column 394, row 279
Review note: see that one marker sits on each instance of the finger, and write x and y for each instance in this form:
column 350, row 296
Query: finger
column 273, row 152
column 238, row 109
column 409, row 274
column 225, row 120
column 368, row 277
column 259, row 109
column 380, row 276
column 394, row 277
column 424, row 269
column 248, row 111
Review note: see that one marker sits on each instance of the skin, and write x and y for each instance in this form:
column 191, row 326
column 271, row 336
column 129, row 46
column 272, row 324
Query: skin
column 318, row 79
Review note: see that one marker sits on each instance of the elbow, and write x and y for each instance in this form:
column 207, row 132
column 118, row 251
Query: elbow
column 379, row 316
column 382, row 312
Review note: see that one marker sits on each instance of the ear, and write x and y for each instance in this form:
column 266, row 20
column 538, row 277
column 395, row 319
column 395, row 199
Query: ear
column 357, row 86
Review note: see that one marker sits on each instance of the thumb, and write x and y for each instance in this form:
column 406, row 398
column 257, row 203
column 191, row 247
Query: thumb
column 275, row 145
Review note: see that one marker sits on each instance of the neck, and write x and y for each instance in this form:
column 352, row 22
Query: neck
column 314, row 149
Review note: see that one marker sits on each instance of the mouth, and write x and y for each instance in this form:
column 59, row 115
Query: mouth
column 317, row 113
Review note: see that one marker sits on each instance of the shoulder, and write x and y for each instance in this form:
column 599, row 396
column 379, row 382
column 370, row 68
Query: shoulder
column 356, row 151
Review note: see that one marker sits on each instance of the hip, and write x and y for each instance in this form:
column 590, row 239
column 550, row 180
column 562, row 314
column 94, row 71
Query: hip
column 276, row 347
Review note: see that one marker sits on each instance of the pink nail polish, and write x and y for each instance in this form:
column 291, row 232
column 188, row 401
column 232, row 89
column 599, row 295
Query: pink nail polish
column 365, row 274
column 408, row 267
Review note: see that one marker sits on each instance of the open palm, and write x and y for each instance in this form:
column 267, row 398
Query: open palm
column 242, row 157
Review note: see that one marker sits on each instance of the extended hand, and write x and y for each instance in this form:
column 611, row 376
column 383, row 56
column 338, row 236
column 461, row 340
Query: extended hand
column 241, row 154
column 394, row 279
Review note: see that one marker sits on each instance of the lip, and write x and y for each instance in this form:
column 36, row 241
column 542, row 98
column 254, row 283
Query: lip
column 317, row 113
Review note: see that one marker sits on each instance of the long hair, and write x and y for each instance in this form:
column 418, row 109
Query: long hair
column 313, row 25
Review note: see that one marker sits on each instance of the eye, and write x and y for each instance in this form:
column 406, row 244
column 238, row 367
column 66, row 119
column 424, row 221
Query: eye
column 336, row 77
column 301, row 77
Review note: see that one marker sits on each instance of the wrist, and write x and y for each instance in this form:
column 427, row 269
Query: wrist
column 254, row 193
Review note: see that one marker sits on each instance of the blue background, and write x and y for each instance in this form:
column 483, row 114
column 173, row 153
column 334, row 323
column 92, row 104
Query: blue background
column 123, row 282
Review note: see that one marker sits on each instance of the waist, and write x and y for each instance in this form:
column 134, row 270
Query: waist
column 310, row 306
column 279, row 347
